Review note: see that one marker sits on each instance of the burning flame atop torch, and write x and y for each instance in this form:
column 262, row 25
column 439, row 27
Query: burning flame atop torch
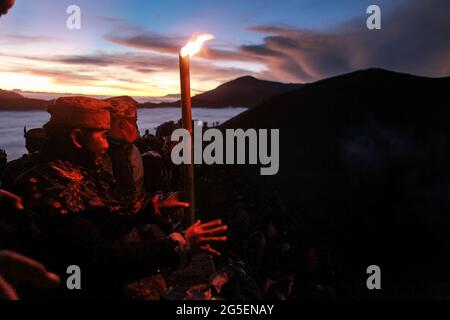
column 193, row 47
column 188, row 51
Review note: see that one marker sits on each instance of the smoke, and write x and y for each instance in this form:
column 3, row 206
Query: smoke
column 5, row 5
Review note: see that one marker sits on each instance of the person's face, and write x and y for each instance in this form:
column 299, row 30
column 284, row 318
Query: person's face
column 125, row 129
column 96, row 145
column 31, row 145
column 131, row 131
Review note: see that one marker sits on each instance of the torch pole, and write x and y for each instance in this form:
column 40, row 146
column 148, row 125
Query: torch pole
column 186, row 108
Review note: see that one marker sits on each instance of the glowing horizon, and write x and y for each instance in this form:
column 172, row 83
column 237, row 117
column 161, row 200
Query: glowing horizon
column 36, row 84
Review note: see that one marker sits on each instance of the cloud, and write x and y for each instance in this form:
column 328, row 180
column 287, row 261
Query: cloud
column 62, row 76
column 25, row 39
column 414, row 39
column 172, row 45
column 147, row 41
column 138, row 62
column 261, row 50
column 126, row 71
column 143, row 63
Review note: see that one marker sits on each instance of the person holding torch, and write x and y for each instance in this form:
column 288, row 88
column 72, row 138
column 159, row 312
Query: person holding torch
column 72, row 195
column 188, row 51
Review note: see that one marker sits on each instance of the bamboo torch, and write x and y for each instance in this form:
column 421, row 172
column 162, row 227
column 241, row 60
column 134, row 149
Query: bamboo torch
column 189, row 50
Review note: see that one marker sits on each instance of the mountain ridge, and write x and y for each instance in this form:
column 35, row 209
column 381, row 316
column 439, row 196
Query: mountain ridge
column 246, row 91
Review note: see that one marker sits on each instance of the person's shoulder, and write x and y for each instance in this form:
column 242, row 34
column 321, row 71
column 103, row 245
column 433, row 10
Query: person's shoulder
column 51, row 185
column 67, row 170
column 17, row 162
column 51, row 172
column 25, row 161
column 14, row 167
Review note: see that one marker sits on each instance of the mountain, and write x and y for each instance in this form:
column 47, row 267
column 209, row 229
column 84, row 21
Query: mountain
column 12, row 101
column 242, row 92
column 4, row 94
column 364, row 173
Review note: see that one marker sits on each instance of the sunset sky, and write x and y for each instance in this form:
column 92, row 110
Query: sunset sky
column 131, row 47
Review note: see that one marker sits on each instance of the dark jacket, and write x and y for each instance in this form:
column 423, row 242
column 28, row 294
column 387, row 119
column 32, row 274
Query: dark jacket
column 83, row 223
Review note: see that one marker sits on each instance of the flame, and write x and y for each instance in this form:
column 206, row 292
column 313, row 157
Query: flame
column 194, row 46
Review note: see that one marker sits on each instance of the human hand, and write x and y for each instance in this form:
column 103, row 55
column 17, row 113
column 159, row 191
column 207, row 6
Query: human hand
column 169, row 209
column 172, row 201
column 18, row 268
column 11, row 200
column 201, row 235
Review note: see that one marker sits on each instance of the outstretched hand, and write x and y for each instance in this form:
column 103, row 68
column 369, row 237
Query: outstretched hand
column 11, row 200
column 169, row 209
column 172, row 201
column 169, row 202
column 201, row 235
column 18, row 268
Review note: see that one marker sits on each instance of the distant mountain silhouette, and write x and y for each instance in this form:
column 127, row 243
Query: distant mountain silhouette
column 10, row 100
column 4, row 94
column 242, row 92
column 365, row 172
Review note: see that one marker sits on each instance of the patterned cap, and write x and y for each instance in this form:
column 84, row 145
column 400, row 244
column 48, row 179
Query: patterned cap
column 123, row 107
column 79, row 112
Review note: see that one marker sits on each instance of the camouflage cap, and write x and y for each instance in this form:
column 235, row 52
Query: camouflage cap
column 79, row 112
column 123, row 107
